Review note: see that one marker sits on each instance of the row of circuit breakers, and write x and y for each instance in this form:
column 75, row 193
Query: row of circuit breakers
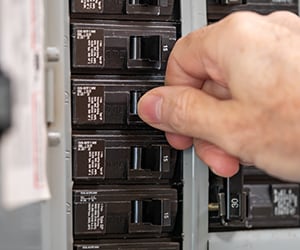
column 128, row 182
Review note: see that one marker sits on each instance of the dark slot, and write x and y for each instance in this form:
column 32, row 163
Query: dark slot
column 144, row 2
column 152, row 212
column 145, row 48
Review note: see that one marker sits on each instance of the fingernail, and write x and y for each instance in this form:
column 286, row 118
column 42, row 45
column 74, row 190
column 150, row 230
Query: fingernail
column 150, row 108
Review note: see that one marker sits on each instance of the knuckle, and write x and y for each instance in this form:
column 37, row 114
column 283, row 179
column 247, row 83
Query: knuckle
column 283, row 14
column 191, row 38
column 201, row 147
column 183, row 43
column 242, row 24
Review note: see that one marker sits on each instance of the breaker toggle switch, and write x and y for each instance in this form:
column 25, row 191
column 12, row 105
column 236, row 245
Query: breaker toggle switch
column 149, row 215
column 146, row 7
column 144, row 2
column 150, row 162
column 134, row 98
column 233, row 201
column 145, row 52
column 133, row 117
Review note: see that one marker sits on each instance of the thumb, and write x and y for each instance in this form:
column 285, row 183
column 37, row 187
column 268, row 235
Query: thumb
column 193, row 113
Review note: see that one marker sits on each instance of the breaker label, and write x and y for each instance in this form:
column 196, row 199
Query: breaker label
column 91, row 154
column 87, row 6
column 89, row 46
column 96, row 217
column 285, row 201
column 89, row 103
column 92, row 4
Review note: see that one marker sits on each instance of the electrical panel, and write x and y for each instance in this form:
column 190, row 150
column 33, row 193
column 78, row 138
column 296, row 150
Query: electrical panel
column 115, row 182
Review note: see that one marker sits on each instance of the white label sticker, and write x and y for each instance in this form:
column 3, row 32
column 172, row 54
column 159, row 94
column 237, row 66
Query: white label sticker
column 23, row 147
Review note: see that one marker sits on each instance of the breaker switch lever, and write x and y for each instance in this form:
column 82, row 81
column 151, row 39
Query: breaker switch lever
column 149, row 215
column 134, row 98
column 146, row 7
column 133, row 117
column 145, row 52
column 144, row 2
column 233, row 202
column 137, row 158
column 145, row 48
column 153, row 161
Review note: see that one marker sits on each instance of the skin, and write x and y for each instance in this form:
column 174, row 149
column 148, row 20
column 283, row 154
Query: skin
column 233, row 91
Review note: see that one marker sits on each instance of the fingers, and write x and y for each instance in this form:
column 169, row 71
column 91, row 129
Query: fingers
column 190, row 112
column 219, row 161
column 186, row 64
column 208, row 53
column 179, row 142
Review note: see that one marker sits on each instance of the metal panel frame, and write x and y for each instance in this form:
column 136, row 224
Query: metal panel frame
column 57, row 212
column 195, row 195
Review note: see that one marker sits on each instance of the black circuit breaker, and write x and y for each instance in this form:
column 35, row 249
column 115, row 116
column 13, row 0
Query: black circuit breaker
column 130, row 244
column 124, row 157
column 253, row 200
column 114, row 46
column 164, row 10
column 124, row 211
column 217, row 9
column 107, row 102
column 127, row 178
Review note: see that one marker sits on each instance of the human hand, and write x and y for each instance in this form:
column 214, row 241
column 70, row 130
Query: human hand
column 233, row 91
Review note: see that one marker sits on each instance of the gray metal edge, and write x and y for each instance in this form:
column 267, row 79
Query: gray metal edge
column 195, row 194
column 195, row 220
column 56, row 212
column 259, row 240
column 68, row 125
